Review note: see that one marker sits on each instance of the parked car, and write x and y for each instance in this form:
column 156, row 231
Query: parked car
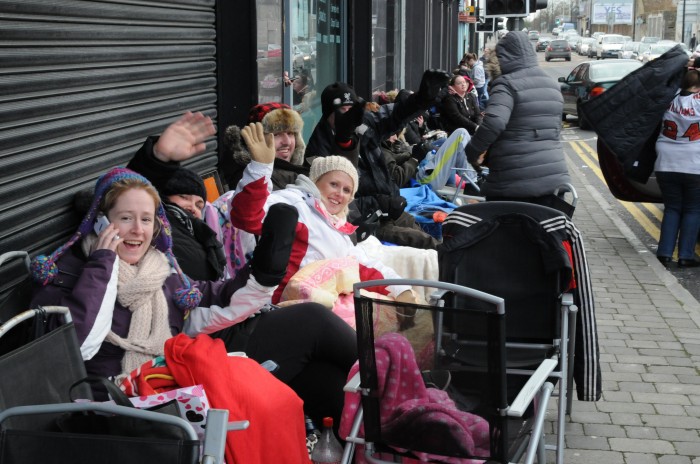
column 587, row 46
column 608, row 46
column 655, row 51
column 542, row 43
column 650, row 40
column 629, row 51
column 558, row 48
column 596, row 35
column 533, row 35
column 588, row 80
column 572, row 39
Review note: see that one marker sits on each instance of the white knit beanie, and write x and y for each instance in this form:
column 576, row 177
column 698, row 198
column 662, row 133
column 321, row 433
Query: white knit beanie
column 325, row 164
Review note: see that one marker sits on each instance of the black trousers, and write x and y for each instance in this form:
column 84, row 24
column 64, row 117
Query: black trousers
column 405, row 231
column 314, row 348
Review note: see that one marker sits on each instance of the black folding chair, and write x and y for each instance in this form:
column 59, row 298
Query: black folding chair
column 511, row 434
column 35, row 390
column 503, row 248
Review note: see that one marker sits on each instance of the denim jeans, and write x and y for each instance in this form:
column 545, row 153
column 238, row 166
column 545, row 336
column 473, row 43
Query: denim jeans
column 681, row 221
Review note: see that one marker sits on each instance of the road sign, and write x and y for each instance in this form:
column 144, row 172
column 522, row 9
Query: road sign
column 471, row 19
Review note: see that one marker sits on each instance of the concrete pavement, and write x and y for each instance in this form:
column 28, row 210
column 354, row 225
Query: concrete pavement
column 648, row 326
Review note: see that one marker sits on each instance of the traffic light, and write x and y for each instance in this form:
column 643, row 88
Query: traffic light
column 513, row 8
column 506, row 8
column 484, row 25
column 537, row 5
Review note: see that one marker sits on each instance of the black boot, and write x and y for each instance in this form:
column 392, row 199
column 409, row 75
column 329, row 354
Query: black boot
column 271, row 255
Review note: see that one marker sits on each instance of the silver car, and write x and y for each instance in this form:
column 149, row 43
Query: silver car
column 630, row 51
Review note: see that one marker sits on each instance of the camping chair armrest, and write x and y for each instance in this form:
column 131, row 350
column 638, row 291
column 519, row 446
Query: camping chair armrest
column 30, row 313
column 353, row 385
column 100, row 407
column 530, row 389
column 567, row 299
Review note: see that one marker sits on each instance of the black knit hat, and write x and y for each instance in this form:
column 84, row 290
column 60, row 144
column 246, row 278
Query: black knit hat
column 183, row 182
column 336, row 95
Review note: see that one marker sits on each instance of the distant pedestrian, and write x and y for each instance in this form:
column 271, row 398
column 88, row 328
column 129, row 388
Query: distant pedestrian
column 693, row 42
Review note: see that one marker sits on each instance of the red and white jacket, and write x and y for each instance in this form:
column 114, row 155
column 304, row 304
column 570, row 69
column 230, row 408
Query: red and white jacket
column 317, row 236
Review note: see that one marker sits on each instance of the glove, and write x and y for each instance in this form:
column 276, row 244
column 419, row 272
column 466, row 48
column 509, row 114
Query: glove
column 431, row 85
column 368, row 226
column 392, row 206
column 421, row 150
column 346, row 123
column 271, row 254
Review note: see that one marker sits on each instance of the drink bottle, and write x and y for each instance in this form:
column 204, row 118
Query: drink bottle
column 328, row 449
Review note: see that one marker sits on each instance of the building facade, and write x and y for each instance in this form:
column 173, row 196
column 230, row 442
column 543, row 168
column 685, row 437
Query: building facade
column 82, row 83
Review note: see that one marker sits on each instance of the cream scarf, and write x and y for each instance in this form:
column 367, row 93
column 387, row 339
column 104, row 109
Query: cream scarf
column 140, row 290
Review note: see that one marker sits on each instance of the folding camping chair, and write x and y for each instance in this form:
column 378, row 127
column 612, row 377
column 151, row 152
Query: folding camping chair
column 472, row 417
column 515, row 250
column 468, row 187
column 34, row 390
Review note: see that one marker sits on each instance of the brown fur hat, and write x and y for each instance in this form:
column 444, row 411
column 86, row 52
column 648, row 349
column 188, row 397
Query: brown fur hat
column 287, row 120
column 275, row 118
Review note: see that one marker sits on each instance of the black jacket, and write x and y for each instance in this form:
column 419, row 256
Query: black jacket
column 198, row 252
column 459, row 112
column 522, row 126
column 627, row 116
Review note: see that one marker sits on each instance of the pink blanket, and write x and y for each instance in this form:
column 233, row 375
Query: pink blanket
column 408, row 406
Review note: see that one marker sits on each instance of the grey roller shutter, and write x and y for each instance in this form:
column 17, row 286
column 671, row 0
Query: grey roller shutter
column 82, row 83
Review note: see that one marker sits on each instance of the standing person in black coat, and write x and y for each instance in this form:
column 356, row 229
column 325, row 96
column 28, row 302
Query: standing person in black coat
column 519, row 138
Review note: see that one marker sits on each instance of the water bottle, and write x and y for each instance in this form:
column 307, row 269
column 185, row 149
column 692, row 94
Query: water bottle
column 328, row 449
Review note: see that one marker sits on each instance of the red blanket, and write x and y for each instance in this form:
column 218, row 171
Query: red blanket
column 249, row 392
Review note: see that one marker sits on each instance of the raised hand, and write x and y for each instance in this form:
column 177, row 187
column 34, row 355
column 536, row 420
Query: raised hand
column 433, row 82
column 260, row 144
column 184, row 138
column 346, row 123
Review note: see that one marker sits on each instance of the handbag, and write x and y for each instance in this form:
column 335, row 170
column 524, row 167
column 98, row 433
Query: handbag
column 97, row 424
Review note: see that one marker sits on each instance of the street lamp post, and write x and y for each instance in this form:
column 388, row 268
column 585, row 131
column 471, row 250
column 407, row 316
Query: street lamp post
column 683, row 24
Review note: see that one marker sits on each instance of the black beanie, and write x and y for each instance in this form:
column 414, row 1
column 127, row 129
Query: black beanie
column 183, row 182
column 336, row 95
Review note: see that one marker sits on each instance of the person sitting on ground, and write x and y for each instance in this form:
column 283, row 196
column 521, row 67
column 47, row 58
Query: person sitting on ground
column 322, row 202
column 343, row 113
column 286, row 125
column 127, row 295
column 460, row 109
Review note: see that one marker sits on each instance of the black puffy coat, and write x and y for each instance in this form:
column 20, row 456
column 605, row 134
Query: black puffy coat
column 522, row 126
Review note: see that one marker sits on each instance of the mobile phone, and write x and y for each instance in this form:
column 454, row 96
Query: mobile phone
column 101, row 223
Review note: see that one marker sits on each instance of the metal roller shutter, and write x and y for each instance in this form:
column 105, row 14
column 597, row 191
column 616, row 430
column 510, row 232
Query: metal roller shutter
column 82, row 83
